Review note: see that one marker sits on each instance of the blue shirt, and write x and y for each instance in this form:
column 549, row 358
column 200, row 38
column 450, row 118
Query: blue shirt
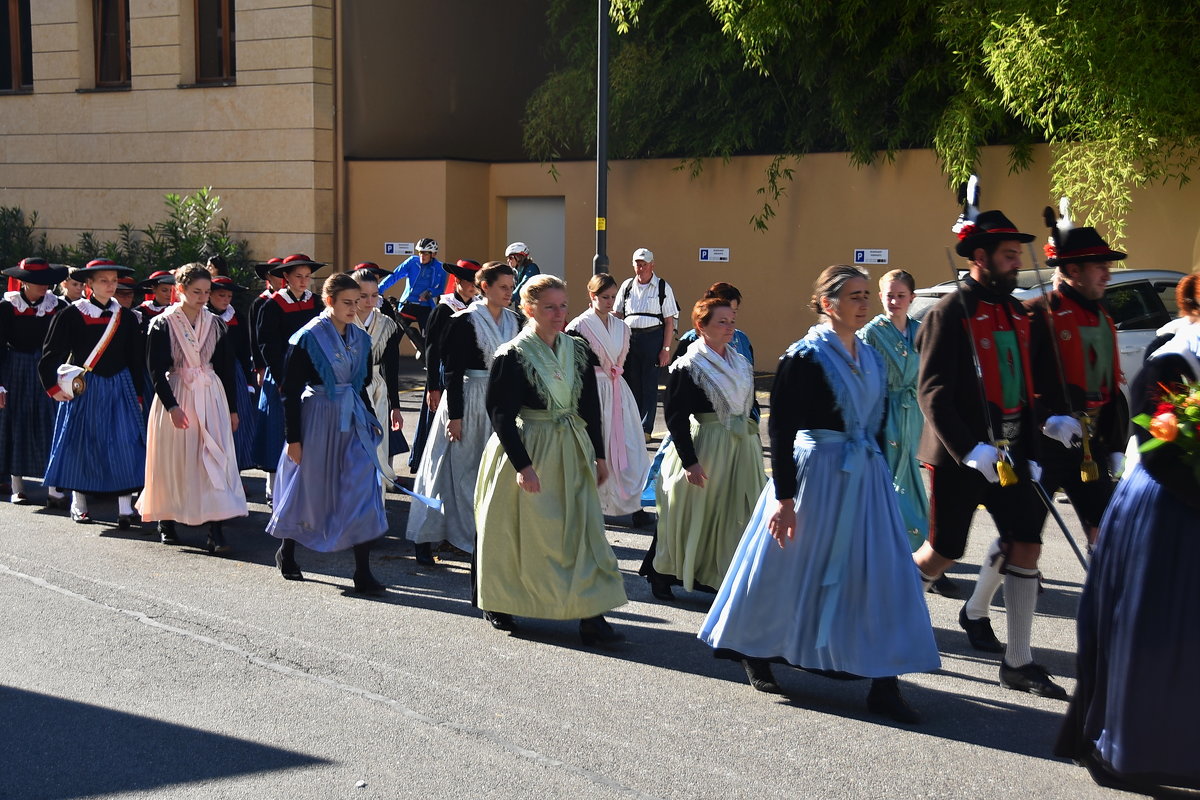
column 421, row 278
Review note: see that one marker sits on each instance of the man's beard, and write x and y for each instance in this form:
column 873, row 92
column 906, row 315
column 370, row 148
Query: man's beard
column 1000, row 283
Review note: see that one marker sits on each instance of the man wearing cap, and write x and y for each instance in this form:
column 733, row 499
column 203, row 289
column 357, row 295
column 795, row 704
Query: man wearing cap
column 26, row 412
column 425, row 282
column 517, row 257
column 92, row 363
column 1086, row 339
column 465, row 292
column 648, row 305
column 978, row 433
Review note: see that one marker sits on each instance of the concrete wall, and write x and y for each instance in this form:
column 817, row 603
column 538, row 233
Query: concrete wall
column 90, row 160
column 830, row 209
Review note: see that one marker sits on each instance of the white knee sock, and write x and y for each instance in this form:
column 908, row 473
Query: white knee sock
column 18, row 483
column 270, row 484
column 125, row 505
column 79, row 502
column 986, row 584
column 54, row 491
column 1020, row 600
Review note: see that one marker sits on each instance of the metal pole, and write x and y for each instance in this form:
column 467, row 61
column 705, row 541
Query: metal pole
column 600, row 261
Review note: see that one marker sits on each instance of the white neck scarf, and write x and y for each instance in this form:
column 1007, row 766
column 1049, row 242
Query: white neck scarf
column 227, row 314
column 44, row 306
column 489, row 334
column 609, row 342
column 90, row 309
column 727, row 382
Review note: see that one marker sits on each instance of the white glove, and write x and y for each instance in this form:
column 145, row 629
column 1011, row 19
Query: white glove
column 1063, row 429
column 983, row 457
column 1035, row 471
column 1116, row 464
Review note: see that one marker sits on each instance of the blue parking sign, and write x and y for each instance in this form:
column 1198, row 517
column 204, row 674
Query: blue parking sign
column 389, row 249
column 860, row 256
column 704, row 254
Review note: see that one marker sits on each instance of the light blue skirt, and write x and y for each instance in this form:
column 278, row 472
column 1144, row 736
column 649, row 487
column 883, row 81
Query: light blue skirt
column 844, row 594
column 99, row 442
column 331, row 500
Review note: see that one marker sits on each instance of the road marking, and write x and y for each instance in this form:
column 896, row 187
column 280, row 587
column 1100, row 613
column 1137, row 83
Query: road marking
column 408, row 713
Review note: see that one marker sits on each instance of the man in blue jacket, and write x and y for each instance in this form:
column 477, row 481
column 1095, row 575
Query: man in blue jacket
column 426, row 279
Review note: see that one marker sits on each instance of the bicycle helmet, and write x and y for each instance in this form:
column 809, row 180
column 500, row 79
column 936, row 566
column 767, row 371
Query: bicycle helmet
column 427, row 245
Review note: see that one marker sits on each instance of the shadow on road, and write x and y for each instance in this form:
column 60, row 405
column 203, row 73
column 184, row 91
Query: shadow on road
column 52, row 748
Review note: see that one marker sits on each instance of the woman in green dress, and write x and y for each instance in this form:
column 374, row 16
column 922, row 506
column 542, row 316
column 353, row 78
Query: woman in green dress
column 892, row 334
column 542, row 551
column 712, row 472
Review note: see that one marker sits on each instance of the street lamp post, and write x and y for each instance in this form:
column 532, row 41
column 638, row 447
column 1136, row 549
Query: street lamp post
column 600, row 261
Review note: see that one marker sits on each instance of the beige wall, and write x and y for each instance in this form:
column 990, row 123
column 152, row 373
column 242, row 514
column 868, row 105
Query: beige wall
column 830, row 209
column 88, row 161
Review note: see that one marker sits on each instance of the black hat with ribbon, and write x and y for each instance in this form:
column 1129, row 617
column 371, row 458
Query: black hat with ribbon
column 264, row 268
column 224, row 282
column 292, row 262
column 100, row 265
column 977, row 228
column 38, row 271
column 370, row 266
column 1071, row 245
column 464, row 270
column 160, row 277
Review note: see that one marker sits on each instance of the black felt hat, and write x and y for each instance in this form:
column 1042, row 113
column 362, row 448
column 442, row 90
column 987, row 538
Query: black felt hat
column 226, row 282
column 100, row 265
column 38, row 271
column 370, row 266
column 263, row 269
column 292, row 262
column 1071, row 245
column 160, row 277
column 977, row 228
column 464, row 270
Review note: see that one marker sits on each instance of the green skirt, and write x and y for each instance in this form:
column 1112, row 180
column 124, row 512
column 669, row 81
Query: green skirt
column 699, row 529
column 544, row 555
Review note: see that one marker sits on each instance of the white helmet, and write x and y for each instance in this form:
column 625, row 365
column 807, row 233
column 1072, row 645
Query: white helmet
column 516, row 248
column 427, row 245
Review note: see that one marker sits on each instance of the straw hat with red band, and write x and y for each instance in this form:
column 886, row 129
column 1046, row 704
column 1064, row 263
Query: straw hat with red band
column 464, row 270
column 224, row 282
column 1071, row 245
column 292, row 262
column 373, row 268
column 159, row 278
column 265, row 267
column 977, row 228
column 100, row 265
column 38, row 271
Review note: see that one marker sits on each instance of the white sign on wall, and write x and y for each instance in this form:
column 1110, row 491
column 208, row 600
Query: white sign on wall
column 714, row 253
column 866, row 256
column 398, row 248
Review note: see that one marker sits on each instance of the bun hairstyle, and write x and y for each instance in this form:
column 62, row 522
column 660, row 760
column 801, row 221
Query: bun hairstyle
column 188, row 274
column 723, row 290
column 829, row 285
column 703, row 310
column 1187, row 295
column 601, row 282
column 491, row 270
column 338, row 283
column 899, row 275
column 532, row 290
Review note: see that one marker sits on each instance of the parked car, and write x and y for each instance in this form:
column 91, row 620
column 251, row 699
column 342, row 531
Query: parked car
column 1140, row 301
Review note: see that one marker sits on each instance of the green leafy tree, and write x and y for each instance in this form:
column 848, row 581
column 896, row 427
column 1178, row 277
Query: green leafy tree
column 1109, row 84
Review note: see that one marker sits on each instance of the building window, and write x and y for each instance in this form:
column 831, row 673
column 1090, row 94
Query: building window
column 215, row 54
column 16, row 46
column 111, row 26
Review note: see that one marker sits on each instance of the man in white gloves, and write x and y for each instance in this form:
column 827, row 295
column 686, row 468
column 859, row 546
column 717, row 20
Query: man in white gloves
column 962, row 443
column 1091, row 372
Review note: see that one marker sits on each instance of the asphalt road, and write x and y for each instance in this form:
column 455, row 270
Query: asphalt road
column 134, row 669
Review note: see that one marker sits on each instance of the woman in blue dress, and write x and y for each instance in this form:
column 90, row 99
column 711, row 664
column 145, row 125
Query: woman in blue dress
column 327, row 494
column 1132, row 721
column 823, row 578
column 892, row 335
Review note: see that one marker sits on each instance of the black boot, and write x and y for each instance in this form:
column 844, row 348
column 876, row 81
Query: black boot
column 285, row 559
column 364, row 581
column 166, row 531
column 216, row 539
column 596, row 630
column 424, row 554
column 884, row 699
column 758, row 670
